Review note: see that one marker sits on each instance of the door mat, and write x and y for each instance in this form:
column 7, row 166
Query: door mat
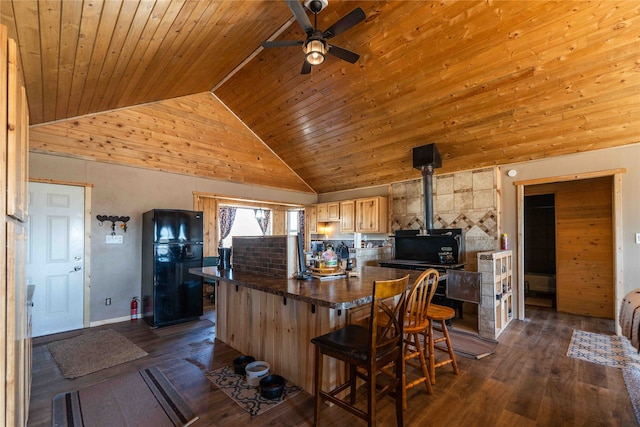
column 194, row 325
column 92, row 352
column 470, row 345
column 144, row 398
column 608, row 350
column 248, row 397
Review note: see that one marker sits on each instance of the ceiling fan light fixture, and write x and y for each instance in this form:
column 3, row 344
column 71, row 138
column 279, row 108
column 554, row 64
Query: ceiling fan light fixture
column 315, row 50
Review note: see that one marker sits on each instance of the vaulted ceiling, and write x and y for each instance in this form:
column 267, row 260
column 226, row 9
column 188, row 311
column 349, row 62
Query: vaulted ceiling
column 184, row 86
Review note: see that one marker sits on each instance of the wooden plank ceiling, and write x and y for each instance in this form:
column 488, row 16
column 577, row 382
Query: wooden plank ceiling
column 490, row 83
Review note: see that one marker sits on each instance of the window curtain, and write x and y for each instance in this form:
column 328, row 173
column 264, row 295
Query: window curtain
column 301, row 223
column 263, row 217
column 227, row 216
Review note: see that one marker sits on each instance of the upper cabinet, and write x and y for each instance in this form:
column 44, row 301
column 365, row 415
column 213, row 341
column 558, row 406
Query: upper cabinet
column 311, row 219
column 347, row 216
column 328, row 211
column 367, row 215
column 371, row 215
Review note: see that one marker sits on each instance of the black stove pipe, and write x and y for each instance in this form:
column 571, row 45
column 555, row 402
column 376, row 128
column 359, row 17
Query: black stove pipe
column 427, row 190
column 426, row 158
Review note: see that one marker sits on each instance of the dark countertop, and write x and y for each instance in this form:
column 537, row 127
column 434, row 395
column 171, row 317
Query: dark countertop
column 342, row 293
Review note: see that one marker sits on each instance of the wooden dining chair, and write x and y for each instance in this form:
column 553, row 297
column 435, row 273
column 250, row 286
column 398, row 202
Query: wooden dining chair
column 366, row 349
column 415, row 323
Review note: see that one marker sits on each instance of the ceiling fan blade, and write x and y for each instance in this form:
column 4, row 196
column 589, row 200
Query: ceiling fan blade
column 343, row 24
column 306, row 67
column 344, row 54
column 300, row 15
column 282, row 43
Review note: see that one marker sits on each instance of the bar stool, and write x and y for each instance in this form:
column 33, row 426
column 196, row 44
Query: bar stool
column 415, row 323
column 440, row 314
column 366, row 351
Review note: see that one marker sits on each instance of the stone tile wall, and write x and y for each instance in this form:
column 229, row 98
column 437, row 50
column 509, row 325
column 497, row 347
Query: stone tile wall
column 466, row 200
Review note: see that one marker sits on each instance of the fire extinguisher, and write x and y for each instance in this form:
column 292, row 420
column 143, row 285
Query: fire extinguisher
column 134, row 308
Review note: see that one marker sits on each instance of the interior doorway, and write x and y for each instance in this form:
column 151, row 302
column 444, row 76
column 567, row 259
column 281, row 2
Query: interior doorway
column 540, row 250
column 584, row 244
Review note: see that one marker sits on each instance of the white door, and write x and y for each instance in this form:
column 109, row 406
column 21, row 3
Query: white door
column 56, row 257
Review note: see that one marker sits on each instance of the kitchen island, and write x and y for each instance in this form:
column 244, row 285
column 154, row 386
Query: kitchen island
column 274, row 319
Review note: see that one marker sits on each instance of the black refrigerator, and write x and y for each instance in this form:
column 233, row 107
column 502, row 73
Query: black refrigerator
column 171, row 245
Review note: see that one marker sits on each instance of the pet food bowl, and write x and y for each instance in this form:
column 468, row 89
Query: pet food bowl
column 271, row 386
column 255, row 371
column 240, row 362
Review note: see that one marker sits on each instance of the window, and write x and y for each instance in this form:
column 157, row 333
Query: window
column 245, row 224
column 293, row 223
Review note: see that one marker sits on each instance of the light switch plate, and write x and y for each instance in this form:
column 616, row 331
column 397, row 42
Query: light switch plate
column 114, row 240
column 637, row 238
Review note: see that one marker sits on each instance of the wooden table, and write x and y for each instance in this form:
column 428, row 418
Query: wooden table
column 274, row 319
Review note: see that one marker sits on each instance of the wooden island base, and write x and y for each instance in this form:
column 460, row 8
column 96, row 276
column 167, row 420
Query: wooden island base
column 262, row 325
column 275, row 319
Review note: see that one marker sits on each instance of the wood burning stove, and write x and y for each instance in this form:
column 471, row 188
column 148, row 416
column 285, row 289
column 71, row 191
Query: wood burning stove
column 442, row 249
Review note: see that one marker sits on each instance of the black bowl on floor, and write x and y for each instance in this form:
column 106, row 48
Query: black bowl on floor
column 241, row 362
column 272, row 386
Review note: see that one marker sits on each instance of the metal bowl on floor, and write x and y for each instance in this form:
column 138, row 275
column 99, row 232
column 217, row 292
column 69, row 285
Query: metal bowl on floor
column 272, row 386
column 240, row 363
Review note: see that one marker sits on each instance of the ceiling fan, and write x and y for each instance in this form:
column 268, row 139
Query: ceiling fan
column 315, row 46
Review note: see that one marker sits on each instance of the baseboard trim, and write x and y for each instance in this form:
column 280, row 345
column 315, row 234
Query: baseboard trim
column 109, row 321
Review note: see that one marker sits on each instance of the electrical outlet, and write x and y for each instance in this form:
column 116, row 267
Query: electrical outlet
column 107, row 301
column 637, row 238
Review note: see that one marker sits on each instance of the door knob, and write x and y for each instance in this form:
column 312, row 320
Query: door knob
column 76, row 268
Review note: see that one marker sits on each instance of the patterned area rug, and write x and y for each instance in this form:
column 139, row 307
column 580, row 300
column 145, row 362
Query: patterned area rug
column 609, row 350
column 144, row 398
column 243, row 394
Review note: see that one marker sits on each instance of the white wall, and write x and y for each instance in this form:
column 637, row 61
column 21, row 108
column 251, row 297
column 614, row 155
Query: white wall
column 627, row 157
column 127, row 191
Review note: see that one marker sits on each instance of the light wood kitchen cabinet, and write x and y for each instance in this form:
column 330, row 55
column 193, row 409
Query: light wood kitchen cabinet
column 328, row 211
column 311, row 219
column 371, row 215
column 348, row 216
column 496, row 306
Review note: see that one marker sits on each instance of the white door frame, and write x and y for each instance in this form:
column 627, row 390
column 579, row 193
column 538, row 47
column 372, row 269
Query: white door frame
column 618, row 286
column 87, row 241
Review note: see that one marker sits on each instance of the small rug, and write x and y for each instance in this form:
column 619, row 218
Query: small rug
column 144, row 398
column 249, row 398
column 471, row 345
column 93, row 352
column 194, row 325
column 608, row 350
column 631, row 375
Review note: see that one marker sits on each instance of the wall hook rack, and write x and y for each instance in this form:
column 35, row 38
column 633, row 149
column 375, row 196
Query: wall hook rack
column 114, row 219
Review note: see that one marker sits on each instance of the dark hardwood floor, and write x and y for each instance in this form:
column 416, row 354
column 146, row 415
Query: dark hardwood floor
column 529, row 381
